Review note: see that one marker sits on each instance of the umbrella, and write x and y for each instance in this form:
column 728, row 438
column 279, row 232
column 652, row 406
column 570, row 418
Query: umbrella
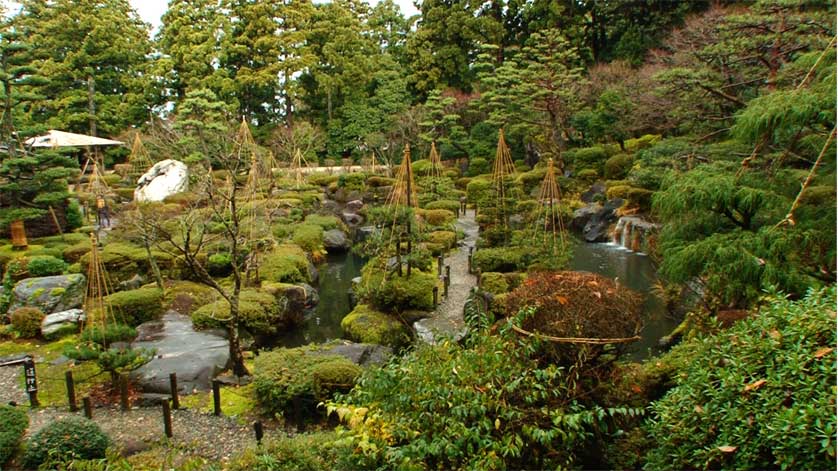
column 67, row 139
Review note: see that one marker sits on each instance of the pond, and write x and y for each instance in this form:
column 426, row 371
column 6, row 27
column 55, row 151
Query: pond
column 636, row 271
column 323, row 322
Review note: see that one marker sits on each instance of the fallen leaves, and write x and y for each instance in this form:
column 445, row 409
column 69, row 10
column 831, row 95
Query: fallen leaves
column 822, row 352
column 755, row 385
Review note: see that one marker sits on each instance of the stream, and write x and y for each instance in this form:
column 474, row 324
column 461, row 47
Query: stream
column 638, row 273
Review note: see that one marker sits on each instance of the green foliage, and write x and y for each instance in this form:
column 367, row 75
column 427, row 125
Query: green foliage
column 478, row 166
column 436, row 217
column 618, row 166
column 64, row 440
column 486, row 405
column 136, row 306
column 45, row 265
column 219, row 264
column 314, row 451
column 327, row 222
column 285, row 264
column 108, row 334
column 494, row 283
column 309, row 237
column 74, row 253
column 366, row 325
column 638, row 197
column 500, row 259
column 396, row 292
column 74, row 216
column 259, row 313
column 588, row 158
column 733, row 392
column 442, row 240
column 15, row 421
column 352, row 181
column 449, row 205
column 33, row 183
column 27, row 321
column 288, row 380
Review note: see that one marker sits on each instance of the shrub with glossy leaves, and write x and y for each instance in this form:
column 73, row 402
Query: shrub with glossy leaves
column 65, row 439
column 15, row 421
column 757, row 396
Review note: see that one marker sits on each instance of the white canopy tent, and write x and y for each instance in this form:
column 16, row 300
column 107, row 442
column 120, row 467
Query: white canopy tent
column 67, row 139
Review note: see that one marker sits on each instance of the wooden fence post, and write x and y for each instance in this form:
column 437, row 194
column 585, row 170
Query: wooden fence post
column 71, row 390
column 123, row 392
column 216, row 396
column 167, row 419
column 88, row 407
column 173, row 386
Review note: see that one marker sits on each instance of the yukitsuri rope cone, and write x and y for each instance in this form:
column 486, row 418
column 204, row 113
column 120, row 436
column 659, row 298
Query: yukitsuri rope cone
column 298, row 163
column 139, row 158
column 549, row 229
column 402, row 196
column 98, row 311
column 502, row 170
column 436, row 162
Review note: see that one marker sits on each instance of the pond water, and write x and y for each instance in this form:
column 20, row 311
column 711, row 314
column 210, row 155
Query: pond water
column 636, row 271
column 323, row 322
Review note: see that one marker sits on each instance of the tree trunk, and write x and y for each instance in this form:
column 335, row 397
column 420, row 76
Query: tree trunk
column 155, row 270
column 236, row 356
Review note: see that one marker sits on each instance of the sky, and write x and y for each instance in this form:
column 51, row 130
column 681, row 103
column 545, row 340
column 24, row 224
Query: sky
column 152, row 10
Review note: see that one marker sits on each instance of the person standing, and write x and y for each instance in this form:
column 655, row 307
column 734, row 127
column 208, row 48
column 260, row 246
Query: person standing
column 102, row 212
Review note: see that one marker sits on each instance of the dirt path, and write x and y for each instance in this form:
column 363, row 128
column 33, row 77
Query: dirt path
column 448, row 318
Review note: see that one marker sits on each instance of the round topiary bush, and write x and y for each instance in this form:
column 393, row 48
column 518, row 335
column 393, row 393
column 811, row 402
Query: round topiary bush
column 219, row 264
column 397, row 293
column 14, row 423
column 366, row 325
column 65, row 439
column 27, row 321
column 45, row 265
column 136, row 306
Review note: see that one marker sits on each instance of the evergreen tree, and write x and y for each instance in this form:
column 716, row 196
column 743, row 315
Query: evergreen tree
column 30, row 184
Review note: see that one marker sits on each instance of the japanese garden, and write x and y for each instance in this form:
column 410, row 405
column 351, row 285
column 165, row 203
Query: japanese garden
column 351, row 235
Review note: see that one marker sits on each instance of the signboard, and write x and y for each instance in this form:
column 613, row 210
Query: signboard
column 29, row 376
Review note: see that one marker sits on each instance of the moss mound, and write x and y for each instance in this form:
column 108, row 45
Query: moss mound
column 259, row 312
column 365, row 324
column 285, row 264
column 137, row 305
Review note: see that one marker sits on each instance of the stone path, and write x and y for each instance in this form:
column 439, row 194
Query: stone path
column 448, row 318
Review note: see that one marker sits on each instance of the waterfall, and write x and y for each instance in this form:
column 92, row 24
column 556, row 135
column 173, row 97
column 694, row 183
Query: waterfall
column 618, row 232
column 625, row 237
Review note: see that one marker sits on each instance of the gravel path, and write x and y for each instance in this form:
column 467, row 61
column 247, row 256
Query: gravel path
column 448, row 318
column 10, row 387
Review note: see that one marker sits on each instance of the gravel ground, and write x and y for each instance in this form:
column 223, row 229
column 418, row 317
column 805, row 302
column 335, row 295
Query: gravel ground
column 10, row 387
column 195, row 433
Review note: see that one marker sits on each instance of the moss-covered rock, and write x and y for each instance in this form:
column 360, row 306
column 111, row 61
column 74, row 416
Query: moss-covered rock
column 500, row 259
column 260, row 313
column 136, row 306
column 123, row 260
column 396, row 293
column 365, row 324
column 289, row 379
column 186, row 296
column 287, row 263
column 309, row 237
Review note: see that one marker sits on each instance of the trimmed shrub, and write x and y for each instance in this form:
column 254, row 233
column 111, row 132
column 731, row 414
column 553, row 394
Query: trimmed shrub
column 14, row 421
column 462, row 183
column 65, row 439
column 421, row 167
column 588, row 157
column 352, row 181
column 494, row 283
column 186, row 296
column 376, row 181
column 27, row 321
column 297, row 379
column 397, row 292
column 366, row 325
column 285, row 264
column 321, row 179
column 759, row 395
column 478, row 191
column 137, row 305
column 500, row 259
column 587, row 174
column 220, row 264
column 436, row 217
column 309, row 237
column 45, row 265
column 617, row 167
column 639, row 197
column 108, row 334
column 74, row 253
column 450, row 205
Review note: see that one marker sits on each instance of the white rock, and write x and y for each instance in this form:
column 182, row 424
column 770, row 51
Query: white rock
column 54, row 322
column 166, row 178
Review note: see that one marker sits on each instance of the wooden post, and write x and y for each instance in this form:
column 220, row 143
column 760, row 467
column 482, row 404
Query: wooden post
column 448, row 272
column 445, row 287
column 409, row 266
column 123, row 392
column 31, row 381
column 167, row 419
column 216, row 396
column 71, row 390
column 439, row 263
column 470, row 263
column 260, row 432
column 88, row 407
column 399, row 254
column 436, row 296
column 174, row 391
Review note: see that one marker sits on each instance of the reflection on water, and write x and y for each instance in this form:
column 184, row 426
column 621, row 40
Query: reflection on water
column 323, row 322
column 638, row 273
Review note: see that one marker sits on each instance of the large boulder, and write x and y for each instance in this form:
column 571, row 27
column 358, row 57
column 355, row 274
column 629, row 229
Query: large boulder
column 362, row 354
column 354, row 206
column 596, row 190
column 335, row 240
column 351, row 219
column 196, row 357
column 50, row 294
column 164, row 179
column 594, row 220
column 58, row 322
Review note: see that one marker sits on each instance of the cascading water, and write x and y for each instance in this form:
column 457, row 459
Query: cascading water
column 631, row 233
